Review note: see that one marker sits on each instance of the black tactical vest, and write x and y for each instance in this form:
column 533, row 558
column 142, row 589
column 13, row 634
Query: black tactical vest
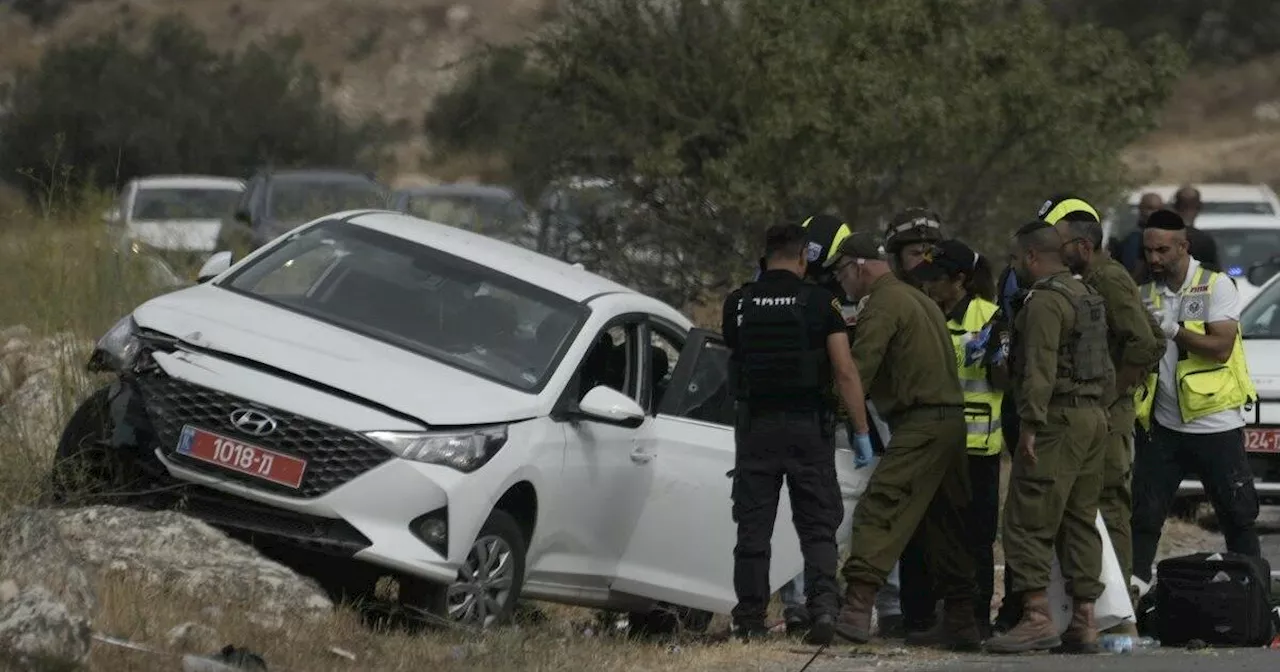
column 778, row 365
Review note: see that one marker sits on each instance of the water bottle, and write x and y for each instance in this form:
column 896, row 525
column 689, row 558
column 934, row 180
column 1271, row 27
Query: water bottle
column 1116, row 643
column 1148, row 643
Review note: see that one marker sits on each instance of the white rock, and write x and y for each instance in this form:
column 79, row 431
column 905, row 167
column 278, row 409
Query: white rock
column 8, row 590
column 457, row 17
column 1267, row 111
column 37, row 632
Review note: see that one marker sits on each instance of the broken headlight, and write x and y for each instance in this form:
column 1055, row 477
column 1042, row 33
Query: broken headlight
column 118, row 349
column 465, row 450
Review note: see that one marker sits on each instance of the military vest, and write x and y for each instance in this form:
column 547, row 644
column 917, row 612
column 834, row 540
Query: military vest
column 778, row 366
column 1085, row 355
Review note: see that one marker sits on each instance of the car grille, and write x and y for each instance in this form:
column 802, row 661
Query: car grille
column 334, row 455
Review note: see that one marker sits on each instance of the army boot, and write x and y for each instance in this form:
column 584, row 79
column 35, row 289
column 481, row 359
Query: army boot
column 1082, row 634
column 957, row 630
column 854, row 622
column 1035, row 632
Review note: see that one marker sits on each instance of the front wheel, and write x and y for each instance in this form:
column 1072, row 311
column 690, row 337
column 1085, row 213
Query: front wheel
column 487, row 587
column 85, row 465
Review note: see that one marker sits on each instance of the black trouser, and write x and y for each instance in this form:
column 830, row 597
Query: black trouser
column 917, row 593
column 1010, row 426
column 796, row 446
column 983, row 522
column 1220, row 461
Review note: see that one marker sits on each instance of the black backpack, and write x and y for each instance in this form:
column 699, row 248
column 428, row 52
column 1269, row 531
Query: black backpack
column 1221, row 599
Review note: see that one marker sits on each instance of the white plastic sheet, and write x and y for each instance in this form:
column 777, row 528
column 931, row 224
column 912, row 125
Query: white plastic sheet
column 1113, row 607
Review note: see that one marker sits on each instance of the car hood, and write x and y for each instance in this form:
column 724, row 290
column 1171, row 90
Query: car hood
column 1263, row 358
column 183, row 234
column 432, row 392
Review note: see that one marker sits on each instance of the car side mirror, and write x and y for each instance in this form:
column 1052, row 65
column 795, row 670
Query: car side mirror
column 214, row 266
column 1260, row 273
column 606, row 404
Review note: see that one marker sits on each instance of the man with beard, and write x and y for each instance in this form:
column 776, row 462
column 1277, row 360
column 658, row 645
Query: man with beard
column 1062, row 375
column 1136, row 344
column 1194, row 406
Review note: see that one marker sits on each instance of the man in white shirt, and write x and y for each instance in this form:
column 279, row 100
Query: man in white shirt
column 1202, row 391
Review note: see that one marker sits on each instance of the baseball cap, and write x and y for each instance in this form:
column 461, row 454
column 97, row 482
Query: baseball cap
column 862, row 245
column 946, row 259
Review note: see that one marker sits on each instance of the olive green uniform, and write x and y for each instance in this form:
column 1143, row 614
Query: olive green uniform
column 1136, row 343
column 1062, row 376
column 907, row 362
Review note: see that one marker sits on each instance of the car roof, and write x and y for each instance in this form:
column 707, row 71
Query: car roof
column 1216, row 221
column 318, row 174
column 1214, row 191
column 570, row 281
column 190, row 181
column 482, row 190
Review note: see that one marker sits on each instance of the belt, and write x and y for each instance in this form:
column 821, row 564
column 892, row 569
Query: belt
column 1074, row 401
column 926, row 412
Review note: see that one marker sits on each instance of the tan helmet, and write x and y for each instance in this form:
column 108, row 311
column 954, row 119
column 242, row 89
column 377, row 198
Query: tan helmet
column 912, row 225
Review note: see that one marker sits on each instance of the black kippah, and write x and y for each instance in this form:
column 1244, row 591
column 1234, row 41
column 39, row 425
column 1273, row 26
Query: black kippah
column 1167, row 220
column 1032, row 227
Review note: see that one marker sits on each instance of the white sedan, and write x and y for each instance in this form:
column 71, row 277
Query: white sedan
column 480, row 421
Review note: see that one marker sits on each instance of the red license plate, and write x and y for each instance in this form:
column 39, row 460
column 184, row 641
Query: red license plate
column 242, row 457
column 1262, row 440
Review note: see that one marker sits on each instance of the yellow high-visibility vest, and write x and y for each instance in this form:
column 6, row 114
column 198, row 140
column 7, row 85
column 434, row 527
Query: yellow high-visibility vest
column 981, row 400
column 1204, row 387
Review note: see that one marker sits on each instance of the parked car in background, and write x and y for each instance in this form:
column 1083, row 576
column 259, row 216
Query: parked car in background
column 1242, row 241
column 1216, row 199
column 175, row 218
column 277, row 200
column 495, row 211
column 1260, row 329
column 383, row 395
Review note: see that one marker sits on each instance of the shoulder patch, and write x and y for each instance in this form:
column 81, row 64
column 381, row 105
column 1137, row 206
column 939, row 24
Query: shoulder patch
column 812, row 251
column 835, row 305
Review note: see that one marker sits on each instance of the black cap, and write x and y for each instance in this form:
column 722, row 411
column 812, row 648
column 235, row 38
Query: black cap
column 945, row 260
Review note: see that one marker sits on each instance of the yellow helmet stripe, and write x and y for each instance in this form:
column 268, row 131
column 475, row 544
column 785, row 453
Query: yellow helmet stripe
column 843, row 232
column 1067, row 206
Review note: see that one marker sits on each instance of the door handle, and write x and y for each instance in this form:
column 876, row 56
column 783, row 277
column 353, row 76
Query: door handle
column 640, row 457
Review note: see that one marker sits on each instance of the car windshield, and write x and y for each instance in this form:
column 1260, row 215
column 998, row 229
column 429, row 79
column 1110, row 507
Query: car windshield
column 435, row 304
column 1223, row 208
column 495, row 216
column 179, row 203
column 1259, row 319
column 298, row 200
column 1238, row 249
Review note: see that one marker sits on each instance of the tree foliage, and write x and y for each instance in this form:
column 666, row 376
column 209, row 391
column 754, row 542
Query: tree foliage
column 774, row 110
column 109, row 110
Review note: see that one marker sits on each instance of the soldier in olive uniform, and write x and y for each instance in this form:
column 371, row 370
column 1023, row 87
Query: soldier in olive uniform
column 1062, row 374
column 1136, row 344
column 906, row 360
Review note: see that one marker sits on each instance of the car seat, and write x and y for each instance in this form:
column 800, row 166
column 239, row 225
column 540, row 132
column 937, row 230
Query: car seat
column 661, row 368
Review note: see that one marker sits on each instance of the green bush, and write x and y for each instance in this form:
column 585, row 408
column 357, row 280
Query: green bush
column 110, row 110
column 770, row 110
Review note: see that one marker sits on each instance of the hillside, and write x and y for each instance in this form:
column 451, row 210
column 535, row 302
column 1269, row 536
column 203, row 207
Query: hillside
column 389, row 57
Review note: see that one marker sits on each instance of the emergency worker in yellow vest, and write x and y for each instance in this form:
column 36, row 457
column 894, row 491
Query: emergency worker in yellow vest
column 960, row 281
column 1195, row 405
column 1136, row 343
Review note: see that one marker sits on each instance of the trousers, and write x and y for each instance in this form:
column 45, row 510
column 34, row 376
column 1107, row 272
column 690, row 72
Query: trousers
column 1220, row 461
column 795, row 447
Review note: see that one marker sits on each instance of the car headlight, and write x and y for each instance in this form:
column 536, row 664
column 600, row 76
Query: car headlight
column 118, row 349
column 464, row 450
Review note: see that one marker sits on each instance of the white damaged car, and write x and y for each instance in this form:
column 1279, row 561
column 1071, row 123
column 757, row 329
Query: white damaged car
column 373, row 394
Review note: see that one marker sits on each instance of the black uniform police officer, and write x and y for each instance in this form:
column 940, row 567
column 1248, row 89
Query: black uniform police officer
column 788, row 341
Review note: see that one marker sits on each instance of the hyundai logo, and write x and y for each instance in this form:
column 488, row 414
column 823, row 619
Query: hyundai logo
column 253, row 422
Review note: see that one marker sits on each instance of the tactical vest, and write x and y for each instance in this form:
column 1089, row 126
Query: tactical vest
column 1203, row 386
column 981, row 400
column 1085, row 356
column 777, row 364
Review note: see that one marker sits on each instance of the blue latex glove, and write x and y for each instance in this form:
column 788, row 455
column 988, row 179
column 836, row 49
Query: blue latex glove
column 861, row 450
column 976, row 348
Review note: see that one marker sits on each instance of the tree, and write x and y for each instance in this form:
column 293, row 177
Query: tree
column 109, row 111
column 772, row 110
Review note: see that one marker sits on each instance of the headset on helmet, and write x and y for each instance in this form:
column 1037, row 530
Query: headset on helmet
column 913, row 225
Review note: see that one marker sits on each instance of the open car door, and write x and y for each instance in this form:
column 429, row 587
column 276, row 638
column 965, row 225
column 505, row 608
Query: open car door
column 682, row 549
